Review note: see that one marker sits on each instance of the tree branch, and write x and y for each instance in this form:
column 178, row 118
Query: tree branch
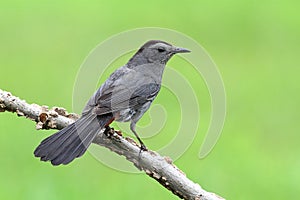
column 157, row 167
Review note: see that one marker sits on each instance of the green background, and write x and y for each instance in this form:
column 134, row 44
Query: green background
column 255, row 45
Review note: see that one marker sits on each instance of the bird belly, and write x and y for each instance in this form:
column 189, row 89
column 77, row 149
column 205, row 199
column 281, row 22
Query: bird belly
column 124, row 115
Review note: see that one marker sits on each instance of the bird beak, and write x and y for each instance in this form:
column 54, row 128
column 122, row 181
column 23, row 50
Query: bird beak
column 180, row 50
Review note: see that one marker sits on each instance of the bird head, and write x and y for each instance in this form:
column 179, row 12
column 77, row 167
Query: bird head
column 155, row 51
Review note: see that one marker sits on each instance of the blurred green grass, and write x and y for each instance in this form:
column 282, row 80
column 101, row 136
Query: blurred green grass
column 255, row 45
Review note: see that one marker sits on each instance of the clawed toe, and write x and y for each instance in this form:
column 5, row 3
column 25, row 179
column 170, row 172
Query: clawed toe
column 143, row 147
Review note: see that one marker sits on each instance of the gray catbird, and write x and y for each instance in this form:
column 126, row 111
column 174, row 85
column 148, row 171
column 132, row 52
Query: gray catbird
column 125, row 96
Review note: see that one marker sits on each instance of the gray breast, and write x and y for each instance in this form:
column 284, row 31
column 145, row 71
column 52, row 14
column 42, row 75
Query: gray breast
column 124, row 115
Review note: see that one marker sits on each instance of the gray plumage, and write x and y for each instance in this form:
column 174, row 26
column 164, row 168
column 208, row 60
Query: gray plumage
column 125, row 96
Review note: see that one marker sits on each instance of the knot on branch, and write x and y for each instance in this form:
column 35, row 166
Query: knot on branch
column 47, row 118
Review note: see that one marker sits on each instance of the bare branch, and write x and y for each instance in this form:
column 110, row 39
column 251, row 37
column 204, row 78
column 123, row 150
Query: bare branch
column 158, row 167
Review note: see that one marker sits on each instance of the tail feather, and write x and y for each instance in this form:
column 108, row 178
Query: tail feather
column 76, row 151
column 62, row 142
column 79, row 146
column 50, row 146
column 72, row 141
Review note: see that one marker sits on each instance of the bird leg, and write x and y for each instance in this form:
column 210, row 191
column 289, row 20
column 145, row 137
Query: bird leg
column 108, row 130
column 143, row 146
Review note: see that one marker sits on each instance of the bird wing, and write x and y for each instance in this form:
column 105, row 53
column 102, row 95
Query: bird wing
column 123, row 90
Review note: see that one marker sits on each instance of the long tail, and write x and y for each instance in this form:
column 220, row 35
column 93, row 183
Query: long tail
column 72, row 141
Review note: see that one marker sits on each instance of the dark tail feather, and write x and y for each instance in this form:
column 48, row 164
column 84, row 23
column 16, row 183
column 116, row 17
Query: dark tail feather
column 72, row 141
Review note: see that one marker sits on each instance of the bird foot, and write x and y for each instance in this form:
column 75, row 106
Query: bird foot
column 143, row 147
column 108, row 131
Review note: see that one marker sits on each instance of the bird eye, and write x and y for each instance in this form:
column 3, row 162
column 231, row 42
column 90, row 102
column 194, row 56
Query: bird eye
column 161, row 50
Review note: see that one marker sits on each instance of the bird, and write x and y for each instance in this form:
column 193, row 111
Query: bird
column 124, row 97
